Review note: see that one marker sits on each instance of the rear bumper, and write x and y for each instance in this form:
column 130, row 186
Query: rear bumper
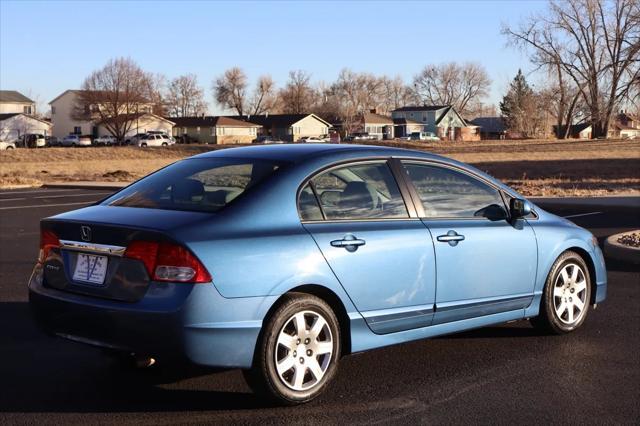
column 176, row 322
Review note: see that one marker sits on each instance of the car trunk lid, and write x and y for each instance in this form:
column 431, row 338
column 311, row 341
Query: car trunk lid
column 89, row 257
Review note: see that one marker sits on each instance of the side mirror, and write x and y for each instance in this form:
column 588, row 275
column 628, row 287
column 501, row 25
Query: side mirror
column 519, row 208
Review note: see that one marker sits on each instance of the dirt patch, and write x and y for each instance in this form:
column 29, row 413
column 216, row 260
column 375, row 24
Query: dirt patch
column 118, row 176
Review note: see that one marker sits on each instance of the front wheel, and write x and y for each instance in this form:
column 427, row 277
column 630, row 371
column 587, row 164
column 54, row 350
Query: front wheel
column 566, row 297
column 297, row 354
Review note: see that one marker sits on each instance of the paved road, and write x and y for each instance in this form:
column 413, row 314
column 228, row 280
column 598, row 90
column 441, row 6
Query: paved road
column 500, row 374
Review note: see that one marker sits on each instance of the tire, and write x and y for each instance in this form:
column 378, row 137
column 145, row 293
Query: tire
column 306, row 352
column 566, row 297
column 143, row 145
column 164, row 144
column 9, row 147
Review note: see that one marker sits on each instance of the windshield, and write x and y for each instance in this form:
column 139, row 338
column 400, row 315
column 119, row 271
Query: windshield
column 199, row 184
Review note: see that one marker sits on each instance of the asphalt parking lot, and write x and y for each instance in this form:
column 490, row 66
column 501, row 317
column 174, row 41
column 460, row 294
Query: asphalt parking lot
column 501, row 374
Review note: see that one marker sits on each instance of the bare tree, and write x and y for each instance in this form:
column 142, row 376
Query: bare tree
column 452, row 84
column 114, row 95
column 185, row 97
column 230, row 90
column 596, row 43
column 298, row 96
column 395, row 94
column 265, row 97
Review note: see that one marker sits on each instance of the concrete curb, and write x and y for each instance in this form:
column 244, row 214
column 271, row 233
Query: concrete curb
column 112, row 186
column 614, row 250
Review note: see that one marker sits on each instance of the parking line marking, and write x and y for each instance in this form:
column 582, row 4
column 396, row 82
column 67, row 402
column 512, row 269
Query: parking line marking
column 48, row 205
column 11, row 199
column 9, row 192
column 581, row 214
column 71, row 195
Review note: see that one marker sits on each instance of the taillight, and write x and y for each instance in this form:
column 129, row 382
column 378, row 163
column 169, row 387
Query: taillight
column 48, row 241
column 168, row 262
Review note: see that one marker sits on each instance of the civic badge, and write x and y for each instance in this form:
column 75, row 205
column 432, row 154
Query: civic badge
column 85, row 233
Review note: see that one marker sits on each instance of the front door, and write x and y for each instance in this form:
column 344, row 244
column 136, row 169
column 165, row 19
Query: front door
column 485, row 264
column 383, row 258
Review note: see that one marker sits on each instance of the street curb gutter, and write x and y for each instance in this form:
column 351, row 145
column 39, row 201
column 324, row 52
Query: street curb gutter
column 614, row 250
column 112, row 186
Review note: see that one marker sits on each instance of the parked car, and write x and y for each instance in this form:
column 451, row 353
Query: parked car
column 7, row 145
column 52, row 141
column 311, row 139
column 133, row 140
column 423, row 136
column 76, row 140
column 282, row 259
column 32, row 140
column 154, row 139
column 106, row 140
column 360, row 136
column 264, row 139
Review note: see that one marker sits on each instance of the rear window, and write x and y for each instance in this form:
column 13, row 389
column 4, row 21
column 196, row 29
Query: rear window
column 199, row 184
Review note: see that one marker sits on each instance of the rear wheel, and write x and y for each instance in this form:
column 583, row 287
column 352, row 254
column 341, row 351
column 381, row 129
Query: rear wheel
column 297, row 354
column 566, row 297
column 143, row 145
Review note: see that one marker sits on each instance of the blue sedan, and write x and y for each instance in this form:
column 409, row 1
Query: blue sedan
column 282, row 259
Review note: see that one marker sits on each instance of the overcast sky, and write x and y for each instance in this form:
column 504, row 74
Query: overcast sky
column 48, row 47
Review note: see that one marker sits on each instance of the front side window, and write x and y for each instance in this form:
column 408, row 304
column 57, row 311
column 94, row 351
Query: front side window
column 449, row 193
column 359, row 191
column 200, row 184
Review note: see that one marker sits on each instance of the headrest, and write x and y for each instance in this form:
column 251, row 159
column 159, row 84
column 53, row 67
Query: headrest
column 185, row 190
column 360, row 195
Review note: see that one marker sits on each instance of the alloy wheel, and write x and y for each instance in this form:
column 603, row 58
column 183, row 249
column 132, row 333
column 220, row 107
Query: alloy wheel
column 304, row 349
column 570, row 294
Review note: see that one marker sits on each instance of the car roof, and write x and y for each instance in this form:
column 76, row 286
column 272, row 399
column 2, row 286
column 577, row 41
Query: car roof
column 299, row 152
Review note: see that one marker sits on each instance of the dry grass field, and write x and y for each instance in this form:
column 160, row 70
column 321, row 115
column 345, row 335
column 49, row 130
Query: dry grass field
column 535, row 168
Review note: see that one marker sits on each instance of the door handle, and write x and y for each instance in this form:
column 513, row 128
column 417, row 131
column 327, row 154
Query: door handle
column 349, row 242
column 451, row 237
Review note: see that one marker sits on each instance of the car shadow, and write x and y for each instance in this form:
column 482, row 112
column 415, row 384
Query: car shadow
column 46, row 374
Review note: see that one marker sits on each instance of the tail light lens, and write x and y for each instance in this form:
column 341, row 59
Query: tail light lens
column 168, row 262
column 48, row 241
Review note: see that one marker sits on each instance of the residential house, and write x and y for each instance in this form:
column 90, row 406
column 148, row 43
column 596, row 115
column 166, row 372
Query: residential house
column 65, row 120
column 14, row 125
column 289, row 127
column 215, row 130
column 141, row 122
column 405, row 126
column 12, row 102
column 376, row 125
column 625, row 126
column 490, row 127
column 576, row 131
column 442, row 120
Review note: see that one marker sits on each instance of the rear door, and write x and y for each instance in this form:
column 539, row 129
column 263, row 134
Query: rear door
column 383, row 257
column 485, row 263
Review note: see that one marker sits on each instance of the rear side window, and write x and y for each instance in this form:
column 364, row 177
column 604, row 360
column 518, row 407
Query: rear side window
column 200, row 184
column 359, row 191
column 449, row 193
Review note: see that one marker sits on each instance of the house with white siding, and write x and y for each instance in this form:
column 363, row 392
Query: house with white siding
column 15, row 125
column 13, row 102
column 442, row 120
column 66, row 121
column 214, row 130
column 288, row 127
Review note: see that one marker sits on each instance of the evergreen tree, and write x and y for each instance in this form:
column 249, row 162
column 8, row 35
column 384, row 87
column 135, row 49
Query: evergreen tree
column 518, row 105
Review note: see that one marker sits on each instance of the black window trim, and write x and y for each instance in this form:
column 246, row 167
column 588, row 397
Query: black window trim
column 399, row 179
column 415, row 196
